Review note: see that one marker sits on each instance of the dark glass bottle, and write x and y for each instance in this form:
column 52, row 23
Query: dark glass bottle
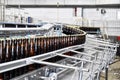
column 8, row 54
column 26, row 48
column 29, row 46
column 1, row 76
column 1, row 57
column 12, row 50
column 63, row 41
column 16, row 72
column 58, row 47
column 6, row 75
column 1, row 51
column 15, row 47
column 36, row 44
column 21, row 71
column 12, row 74
column 68, row 41
column 32, row 48
column 60, row 42
column 57, row 39
column 21, row 52
column 42, row 45
column 31, row 67
column 75, row 40
column 19, row 48
column 55, row 43
column 46, row 41
column 72, row 40
column 50, row 44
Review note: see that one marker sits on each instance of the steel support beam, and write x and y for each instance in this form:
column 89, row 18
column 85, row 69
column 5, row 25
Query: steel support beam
column 106, row 73
column 64, row 6
column 57, row 65
column 82, row 15
column 77, row 58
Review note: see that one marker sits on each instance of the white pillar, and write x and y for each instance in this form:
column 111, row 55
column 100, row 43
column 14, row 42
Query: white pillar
column 2, row 10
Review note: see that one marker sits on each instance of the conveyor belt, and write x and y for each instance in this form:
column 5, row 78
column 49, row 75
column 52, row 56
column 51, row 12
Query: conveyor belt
column 12, row 49
column 18, row 48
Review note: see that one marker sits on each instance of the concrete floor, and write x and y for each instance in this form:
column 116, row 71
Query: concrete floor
column 114, row 71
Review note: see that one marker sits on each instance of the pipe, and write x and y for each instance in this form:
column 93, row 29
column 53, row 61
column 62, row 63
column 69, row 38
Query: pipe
column 58, row 65
column 76, row 58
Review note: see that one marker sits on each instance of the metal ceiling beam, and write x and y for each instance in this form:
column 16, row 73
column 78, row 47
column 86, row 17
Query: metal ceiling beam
column 64, row 6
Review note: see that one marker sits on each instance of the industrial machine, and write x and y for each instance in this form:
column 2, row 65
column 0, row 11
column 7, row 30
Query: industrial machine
column 43, row 57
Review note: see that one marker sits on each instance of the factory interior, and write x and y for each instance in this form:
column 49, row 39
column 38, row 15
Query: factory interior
column 59, row 39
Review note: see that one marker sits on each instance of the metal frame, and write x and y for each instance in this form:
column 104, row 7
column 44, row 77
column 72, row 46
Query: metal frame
column 23, row 62
column 101, row 59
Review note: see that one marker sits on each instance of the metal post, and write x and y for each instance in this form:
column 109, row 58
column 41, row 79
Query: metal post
column 1, row 10
column 82, row 15
column 80, row 72
column 98, row 75
column 4, row 7
column 106, row 73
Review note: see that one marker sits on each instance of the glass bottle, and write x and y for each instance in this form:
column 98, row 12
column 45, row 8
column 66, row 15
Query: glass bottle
column 32, row 48
column 26, row 48
column 8, row 54
column 36, row 44
column 1, row 51
column 39, row 46
column 42, row 45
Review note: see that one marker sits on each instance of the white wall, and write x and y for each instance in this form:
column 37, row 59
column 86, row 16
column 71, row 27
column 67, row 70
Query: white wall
column 108, row 1
column 51, row 15
column 94, row 14
column 63, row 15
column 95, row 17
column 110, row 20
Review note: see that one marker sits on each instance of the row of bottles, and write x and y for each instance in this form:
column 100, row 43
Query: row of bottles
column 19, row 71
column 14, row 49
column 71, row 30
